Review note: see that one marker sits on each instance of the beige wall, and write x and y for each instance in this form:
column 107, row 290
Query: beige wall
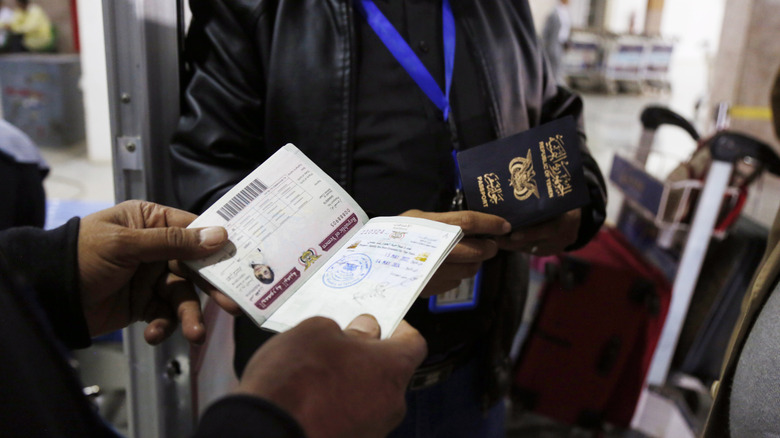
column 742, row 75
column 655, row 11
column 747, row 62
column 760, row 66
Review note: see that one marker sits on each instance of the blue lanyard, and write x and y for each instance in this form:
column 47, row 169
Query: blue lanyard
column 406, row 56
column 457, row 201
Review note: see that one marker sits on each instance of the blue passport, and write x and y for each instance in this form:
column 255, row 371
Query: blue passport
column 528, row 177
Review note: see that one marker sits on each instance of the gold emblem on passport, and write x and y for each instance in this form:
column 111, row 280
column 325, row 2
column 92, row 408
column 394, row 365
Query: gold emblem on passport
column 490, row 189
column 522, row 175
column 308, row 258
column 555, row 162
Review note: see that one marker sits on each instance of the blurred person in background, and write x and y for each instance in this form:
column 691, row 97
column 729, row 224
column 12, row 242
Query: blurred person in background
column 555, row 37
column 22, row 171
column 6, row 16
column 31, row 30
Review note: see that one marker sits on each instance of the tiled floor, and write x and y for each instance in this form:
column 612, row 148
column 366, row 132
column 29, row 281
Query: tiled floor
column 74, row 177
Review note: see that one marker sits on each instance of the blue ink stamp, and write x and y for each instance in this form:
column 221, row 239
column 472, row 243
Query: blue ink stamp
column 347, row 271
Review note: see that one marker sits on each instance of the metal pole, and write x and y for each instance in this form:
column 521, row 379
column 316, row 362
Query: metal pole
column 690, row 266
column 143, row 76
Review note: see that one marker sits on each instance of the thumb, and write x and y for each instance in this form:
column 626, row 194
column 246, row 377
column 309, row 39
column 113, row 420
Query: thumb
column 169, row 243
column 364, row 326
column 409, row 342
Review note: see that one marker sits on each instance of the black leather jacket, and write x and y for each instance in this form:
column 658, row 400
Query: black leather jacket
column 267, row 72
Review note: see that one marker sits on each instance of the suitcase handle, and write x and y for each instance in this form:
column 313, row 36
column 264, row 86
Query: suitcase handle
column 731, row 146
column 654, row 116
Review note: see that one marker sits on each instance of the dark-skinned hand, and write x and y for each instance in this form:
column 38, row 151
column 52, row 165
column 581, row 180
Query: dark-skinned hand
column 125, row 274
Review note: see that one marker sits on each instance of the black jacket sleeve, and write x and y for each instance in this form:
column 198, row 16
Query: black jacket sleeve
column 559, row 101
column 217, row 142
column 240, row 416
column 48, row 262
column 40, row 393
column 562, row 102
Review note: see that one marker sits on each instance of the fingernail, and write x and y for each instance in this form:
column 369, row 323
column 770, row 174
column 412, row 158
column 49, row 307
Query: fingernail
column 364, row 323
column 211, row 236
column 199, row 331
column 514, row 237
column 506, row 228
column 154, row 336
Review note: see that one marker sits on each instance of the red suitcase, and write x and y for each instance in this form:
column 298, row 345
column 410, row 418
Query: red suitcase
column 600, row 316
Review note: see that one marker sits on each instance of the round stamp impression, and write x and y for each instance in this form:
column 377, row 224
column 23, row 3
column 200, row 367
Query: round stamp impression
column 347, row 271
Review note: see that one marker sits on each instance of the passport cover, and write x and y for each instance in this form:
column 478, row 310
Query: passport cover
column 528, row 177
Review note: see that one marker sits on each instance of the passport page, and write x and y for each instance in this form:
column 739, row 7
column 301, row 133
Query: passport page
column 380, row 270
column 284, row 220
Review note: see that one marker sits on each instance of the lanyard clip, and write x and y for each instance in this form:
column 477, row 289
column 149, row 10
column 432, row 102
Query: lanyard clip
column 457, row 200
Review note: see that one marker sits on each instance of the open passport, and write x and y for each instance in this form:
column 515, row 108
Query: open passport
column 300, row 246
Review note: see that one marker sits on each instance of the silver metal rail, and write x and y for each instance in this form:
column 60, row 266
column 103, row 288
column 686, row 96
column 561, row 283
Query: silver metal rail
column 142, row 56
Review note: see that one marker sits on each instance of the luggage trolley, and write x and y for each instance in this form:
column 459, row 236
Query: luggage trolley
column 583, row 60
column 644, row 214
column 727, row 149
column 651, row 197
column 623, row 63
column 656, row 61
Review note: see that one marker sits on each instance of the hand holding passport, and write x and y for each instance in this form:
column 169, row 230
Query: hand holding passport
column 526, row 178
